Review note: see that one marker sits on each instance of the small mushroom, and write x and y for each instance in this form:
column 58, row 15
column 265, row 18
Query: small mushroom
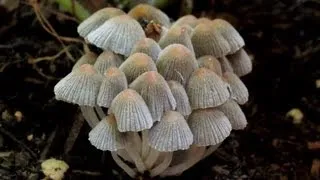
column 225, row 64
column 189, row 19
column 241, row 62
column 181, row 97
column 239, row 91
column 234, row 113
column 211, row 63
column 203, row 20
column 106, row 60
column 147, row 46
column 87, row 58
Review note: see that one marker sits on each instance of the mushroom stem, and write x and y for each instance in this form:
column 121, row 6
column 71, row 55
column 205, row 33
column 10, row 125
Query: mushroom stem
column 124, row 155
column 100, row 112
column 131, row 148
column 152, row 158
column 210, row 150
column 163, row 165
column 145, row 149
column 194, row 155
column 123, row 165
column 89, row 115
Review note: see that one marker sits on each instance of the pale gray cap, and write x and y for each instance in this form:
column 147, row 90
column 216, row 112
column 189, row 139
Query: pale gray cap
column 147, row 46
column 210, row 63
column 234, row 113
column 131, row 112
column 239, row 91
column 87, row 58
column 225, row 64
column 209, row 126
column 206, row 89
column 241, row 62
column 118, row 34
column 172, row 133
column 80, row 87
column 189, row 19
column 155, row 91
column 113, row 83
column 105, row 135
column 181, row 97
column 106, row 60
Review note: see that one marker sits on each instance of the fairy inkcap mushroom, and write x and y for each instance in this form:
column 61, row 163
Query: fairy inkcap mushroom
column 106, row 60
column 211, row 63
column 225, row 64
column 181, row 97
column 147, row 46
column 241, row 62
column 154, row 89
column 206, row 89
column 118, row 34
column 176, row 62
column 186, row 20
column 234, row 113
column 207, row 41
column 203, row 20
column 136, row 64
column 131, row 111
column 87, row 58
column 97, row 19
column 113, row 83
column 239, row 91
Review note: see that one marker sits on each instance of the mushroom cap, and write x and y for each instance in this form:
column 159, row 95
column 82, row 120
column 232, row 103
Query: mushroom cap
column 206, row 89
column 131, row 112
column 181, row 97
column 147, row 46
column 176, row 62
column 239, row 91
column 149, row 13
column 207, row 41
column 211, row 63
column 176, row 35
column 234, row 113
column 155, row 91
column 241, row 62
column 189, row 19
column 87, row 58
column 113, row 83
column 81, row 86
column 209, row 126
column 97, row 19
column 225, row 64
column 118, row 34
column 137, row 64
column 105, row 135
column 172, row 133
column 230, row 34
column 203, row 20
column 106, row 60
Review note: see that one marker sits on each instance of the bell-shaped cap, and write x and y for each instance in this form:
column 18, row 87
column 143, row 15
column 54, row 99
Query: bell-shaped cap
column 154, row 89
column 105, row 135
column 229, row 33
column 113, row 83
column 131, row 112
column 87, row 58
column 181, row 97
column 147, row 46
column 97, row 19
column 149, row 13
column 239, row 91
column 172, row 133
column 203, row 20
column 118, row 34
column 80, row 87
column 225, row 64
column 189, row 19
column 176, row 35
column 234, row 113
column 137, row 64
column 209, row 126
column 241, row 62
column 207, row 41
column 106, row 60
column 210, row 63
column 206, row 89
column 176, row 62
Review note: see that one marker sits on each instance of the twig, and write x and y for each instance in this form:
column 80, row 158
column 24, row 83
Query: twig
column 48, row 58
column 74, row 133
column 45, row 150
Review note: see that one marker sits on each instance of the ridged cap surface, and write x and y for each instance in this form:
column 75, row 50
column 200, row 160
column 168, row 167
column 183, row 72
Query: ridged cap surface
column 147, row 46
column 239, row 91
column 234, row 113
column 87, row 58
column 210, row 63
column 181, row 97
column 106, row 60
column 241, row 62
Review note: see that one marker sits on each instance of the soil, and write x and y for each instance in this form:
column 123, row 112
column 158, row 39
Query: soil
column 283, row 38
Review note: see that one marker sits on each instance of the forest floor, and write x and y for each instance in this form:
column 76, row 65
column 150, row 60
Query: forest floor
column 282, row 38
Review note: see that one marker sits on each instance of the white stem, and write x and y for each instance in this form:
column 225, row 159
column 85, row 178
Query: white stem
column 210, row 150
column 194, row 155
column 130, row 147
column 123, row 165
column 152, row 158
column 90, row 115
column 162, row 166
column 145, row 146
column 100, row 112
column 124, row 155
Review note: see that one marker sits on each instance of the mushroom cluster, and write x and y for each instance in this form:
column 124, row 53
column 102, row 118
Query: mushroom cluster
column 159, row 105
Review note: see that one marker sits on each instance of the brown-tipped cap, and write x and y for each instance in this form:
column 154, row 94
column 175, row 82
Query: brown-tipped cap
column 241, row 62
column 176, row 62
column 136, row 65
column 172, row 133
column 149, row 13
column 239, row 91
column 97, row 19
column 207, row 41
column 211, row 63
column 113, row 83
column 80, row 87
column 106, row 60
column 209, row 126
column 206, row 89
column 181, row 97
column 203, row 20
column 155, row 91
column 131, row 112
column 234, row 113
column 87, row 58
column 186, row 20
column 147, row 46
